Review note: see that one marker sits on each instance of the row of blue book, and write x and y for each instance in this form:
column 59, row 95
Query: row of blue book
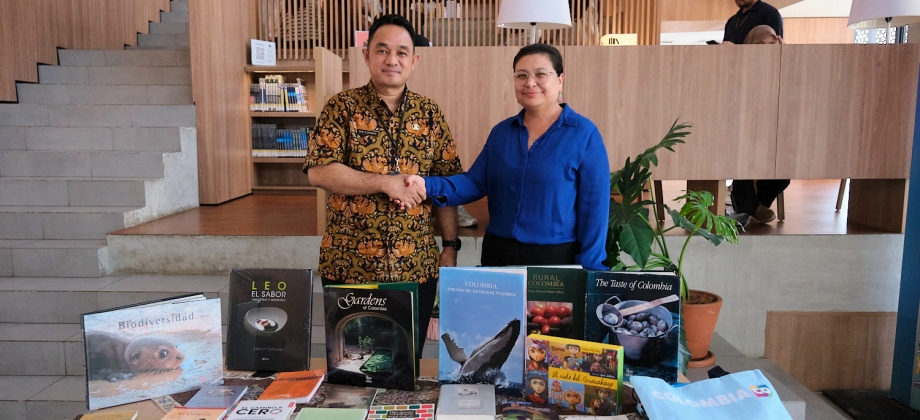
column 274, row 95
column 270, row 141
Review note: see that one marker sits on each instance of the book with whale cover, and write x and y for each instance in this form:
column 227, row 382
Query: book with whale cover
column 371, row 334
column 270, row 314
column 481, row 331
column 141, row 351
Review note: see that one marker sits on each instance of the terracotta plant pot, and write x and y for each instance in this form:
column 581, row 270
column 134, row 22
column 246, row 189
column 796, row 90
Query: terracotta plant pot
column 699, row 323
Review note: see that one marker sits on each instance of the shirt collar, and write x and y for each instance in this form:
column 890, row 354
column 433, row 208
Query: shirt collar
column 567, row 117
column 378, row 103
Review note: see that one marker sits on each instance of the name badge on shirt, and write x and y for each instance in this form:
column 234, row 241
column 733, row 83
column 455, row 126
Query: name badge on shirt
column 361, row 132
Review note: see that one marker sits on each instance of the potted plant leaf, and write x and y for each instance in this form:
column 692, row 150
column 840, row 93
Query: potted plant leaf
column 633, row 232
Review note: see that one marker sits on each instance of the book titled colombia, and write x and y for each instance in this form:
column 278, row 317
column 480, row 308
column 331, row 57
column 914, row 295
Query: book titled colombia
column 270, row 313
column 371, row 334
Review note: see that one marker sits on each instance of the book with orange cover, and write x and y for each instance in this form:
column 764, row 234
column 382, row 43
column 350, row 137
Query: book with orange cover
column 299, row 386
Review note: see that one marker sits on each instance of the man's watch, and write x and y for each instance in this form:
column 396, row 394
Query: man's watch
column 455, row 244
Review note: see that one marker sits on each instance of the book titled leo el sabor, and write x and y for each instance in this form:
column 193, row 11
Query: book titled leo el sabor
column 149, row 349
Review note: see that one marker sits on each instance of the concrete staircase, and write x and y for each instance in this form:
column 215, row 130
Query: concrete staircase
column 105, row 140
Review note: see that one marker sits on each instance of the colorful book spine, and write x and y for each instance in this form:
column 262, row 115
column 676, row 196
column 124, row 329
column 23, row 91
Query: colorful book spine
column 401, row 411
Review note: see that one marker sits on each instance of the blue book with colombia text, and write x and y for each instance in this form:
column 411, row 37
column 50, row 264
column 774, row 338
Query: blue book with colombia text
column 481, row 331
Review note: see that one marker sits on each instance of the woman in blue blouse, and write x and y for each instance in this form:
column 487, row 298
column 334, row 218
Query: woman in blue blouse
column 545, row 172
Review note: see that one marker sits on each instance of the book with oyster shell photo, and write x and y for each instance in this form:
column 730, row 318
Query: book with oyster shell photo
column 270, row 315
column 639, row 310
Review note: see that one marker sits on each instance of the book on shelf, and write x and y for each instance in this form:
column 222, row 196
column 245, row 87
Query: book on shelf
column 113, row 415
column 372, row 334
column 268, row 141
column 466, row 402
column 401, row 411
column 639, row 310
column 195, row 413
column 575, row 375
column 299, row 386
column 263, row 410
column 217, row 396
column 344, row 396
column 556, row 301
column 270, row 316
column 272, row 94
column 480, row 327
column 317, row 413
column 137, row 352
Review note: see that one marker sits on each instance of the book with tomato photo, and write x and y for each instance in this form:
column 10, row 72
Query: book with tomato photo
column 556, row 301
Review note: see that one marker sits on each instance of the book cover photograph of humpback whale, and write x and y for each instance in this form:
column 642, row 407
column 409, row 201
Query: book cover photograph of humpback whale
column 482, row 338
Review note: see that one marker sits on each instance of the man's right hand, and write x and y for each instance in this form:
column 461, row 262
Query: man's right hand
column 406, row 190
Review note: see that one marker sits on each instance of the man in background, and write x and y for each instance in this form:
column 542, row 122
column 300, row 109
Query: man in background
column 366, row 142
column 751, row 13
column 751, row 197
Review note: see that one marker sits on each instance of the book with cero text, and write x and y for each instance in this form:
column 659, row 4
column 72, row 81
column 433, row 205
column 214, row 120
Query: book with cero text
column 270, row 313
column 146, row 350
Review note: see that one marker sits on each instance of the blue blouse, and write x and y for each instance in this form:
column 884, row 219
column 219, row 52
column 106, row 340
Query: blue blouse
column 556, row 192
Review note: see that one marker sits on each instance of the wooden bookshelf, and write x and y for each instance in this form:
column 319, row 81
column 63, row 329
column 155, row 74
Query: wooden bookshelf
column 322, row 78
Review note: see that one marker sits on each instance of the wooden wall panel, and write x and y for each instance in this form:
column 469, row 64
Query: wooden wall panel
column 31, row 32
column 698, row 9
column 847, row 111
column 833, row 350
column 633, row 94
column 472, row 85
column 219, row 34
column 817, row 31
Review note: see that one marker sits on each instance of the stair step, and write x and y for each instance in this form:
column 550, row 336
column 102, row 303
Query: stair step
column 114, row 75
column 54, row 258
column 131, row 58
column 109, row 95
column 178, row 6
column 51, row 191
column 37, row 349
column 49, row 222
column 113, row 115
column 81, row 164
column 174, row 17
column 19, row 115
column 125, row 139
column 163, row 40
column 169, row 28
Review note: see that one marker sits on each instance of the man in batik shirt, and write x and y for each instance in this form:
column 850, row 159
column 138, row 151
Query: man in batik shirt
column 366, row 142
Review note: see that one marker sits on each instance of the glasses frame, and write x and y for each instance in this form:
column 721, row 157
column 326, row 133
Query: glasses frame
column 516, row 81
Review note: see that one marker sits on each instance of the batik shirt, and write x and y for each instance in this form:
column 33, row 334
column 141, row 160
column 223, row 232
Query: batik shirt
column 368, row 238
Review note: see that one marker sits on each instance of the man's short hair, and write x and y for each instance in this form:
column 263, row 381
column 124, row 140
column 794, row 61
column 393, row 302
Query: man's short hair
column 391, row 19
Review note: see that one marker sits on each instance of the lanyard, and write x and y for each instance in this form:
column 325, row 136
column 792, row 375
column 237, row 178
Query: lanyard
column 386, row 127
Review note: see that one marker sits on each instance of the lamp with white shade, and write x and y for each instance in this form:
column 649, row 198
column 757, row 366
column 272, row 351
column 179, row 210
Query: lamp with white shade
column 533, row 15
column 870, row 14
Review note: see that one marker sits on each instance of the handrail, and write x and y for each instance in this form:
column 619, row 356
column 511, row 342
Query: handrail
column 299, row 25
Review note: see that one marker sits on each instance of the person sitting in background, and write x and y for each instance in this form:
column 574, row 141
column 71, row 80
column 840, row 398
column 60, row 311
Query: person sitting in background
column 750, row 197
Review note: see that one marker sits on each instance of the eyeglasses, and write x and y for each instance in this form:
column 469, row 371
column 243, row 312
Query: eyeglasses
column 541, row 77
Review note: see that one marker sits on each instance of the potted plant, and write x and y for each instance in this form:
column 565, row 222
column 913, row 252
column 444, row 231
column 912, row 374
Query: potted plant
column 632, row 231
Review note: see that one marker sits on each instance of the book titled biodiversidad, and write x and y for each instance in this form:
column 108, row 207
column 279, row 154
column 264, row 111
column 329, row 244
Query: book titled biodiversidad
column 270, row 314
column 150, row 349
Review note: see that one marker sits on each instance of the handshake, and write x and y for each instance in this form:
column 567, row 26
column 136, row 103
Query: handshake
column 407, row 191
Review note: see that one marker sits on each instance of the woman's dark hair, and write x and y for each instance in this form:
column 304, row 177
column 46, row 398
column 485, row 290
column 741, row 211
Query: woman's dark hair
column 548, row 50
column 391, row 19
